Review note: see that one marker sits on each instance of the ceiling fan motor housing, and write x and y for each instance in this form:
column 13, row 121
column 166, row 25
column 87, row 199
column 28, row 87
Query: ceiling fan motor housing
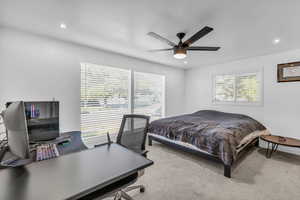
column 180, row 51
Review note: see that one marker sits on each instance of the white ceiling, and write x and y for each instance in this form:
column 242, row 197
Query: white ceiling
column 243, row 28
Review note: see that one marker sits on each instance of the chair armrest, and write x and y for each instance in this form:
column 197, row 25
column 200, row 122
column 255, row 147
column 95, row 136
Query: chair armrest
column 108, row 141
column 99, row 145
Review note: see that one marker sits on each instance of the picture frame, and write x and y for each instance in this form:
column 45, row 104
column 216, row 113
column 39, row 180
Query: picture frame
column 288, row 72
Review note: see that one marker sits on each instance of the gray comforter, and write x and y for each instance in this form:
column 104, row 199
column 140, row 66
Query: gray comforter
column 217, row 133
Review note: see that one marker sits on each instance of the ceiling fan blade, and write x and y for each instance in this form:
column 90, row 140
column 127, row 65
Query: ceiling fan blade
column 198, row 35
column 156, row 36
column 157, row 50
column 203, row 48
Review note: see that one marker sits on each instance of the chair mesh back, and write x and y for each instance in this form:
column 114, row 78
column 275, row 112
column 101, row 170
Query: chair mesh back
column 133, row 132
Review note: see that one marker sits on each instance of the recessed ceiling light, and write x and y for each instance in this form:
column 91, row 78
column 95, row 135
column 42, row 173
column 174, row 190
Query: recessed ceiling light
column 185, row 62
column 276, row 40
column 63, row 26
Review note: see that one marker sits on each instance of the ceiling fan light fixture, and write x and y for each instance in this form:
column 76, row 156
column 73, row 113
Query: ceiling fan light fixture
column 179, row 53
column 180, row 49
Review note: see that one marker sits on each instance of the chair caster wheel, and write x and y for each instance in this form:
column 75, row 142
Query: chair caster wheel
column 142, row 189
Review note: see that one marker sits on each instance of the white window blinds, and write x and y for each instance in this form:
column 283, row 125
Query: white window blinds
column 247, row 88
column 149, row 94
column 107, row 93
column 238, row 88
column 224, row 88
column 104, row 99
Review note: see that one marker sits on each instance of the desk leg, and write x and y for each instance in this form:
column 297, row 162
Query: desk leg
column 269, row 151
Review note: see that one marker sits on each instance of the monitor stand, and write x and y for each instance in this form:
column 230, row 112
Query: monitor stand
column 3, row 150
column 12, row 160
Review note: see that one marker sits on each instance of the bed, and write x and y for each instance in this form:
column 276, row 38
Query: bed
column 219, row 136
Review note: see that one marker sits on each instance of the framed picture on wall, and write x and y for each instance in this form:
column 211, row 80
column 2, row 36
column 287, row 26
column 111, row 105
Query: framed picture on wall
column 288, row 72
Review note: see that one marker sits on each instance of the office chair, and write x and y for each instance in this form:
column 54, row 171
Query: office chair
column 132, row 135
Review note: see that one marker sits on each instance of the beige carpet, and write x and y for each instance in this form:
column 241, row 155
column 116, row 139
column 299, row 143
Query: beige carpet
column 181, row 176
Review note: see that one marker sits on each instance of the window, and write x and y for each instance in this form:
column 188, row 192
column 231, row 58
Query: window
column 224, row 88
column 104, row 99
column 247, row 88
column 106, row 95
column 149, row 94
column 238, row 88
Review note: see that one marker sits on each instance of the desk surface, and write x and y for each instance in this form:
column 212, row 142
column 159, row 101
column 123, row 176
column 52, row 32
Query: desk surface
column 70, row 176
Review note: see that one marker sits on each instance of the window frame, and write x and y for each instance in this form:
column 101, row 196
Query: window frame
column 259, row 75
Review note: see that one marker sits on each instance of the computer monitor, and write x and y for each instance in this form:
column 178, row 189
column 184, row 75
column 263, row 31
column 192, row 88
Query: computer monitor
column 17, row 134
column 42, row 120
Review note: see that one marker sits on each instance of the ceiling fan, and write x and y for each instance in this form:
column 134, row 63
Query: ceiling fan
column 181, row 48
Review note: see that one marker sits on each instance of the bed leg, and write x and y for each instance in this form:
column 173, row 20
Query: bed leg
column 149, row 141
column 227, row 171
column 257, row 143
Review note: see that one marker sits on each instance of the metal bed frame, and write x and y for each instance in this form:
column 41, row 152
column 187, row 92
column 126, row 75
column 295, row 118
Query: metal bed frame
column 227, row 168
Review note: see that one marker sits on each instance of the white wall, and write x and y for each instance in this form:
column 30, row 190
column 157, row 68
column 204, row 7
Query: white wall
column 280, row 111
column 39, row 68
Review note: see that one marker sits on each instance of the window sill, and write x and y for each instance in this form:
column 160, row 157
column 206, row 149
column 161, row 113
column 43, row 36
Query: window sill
column 231, row 103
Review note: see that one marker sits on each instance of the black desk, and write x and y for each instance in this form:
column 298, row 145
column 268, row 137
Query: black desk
column 71, row 176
